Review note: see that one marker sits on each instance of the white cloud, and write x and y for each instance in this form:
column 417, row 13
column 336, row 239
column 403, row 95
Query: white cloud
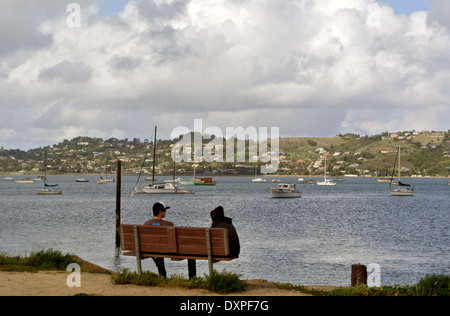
column 310, row 67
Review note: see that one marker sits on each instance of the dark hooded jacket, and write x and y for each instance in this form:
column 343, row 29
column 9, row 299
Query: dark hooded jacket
column 220, row 221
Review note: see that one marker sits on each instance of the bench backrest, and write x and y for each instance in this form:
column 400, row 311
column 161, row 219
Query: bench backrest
column 175, row 240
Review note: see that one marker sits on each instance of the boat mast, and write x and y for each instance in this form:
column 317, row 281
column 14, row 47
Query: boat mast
column 393, row 169
column 154, row 158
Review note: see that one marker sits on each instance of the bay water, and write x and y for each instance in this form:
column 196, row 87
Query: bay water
column 313, row 240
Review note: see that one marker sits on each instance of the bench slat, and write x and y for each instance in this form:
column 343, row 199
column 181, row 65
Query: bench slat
column 176, row 240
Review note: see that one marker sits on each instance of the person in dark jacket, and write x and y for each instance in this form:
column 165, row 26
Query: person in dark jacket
column 220, row 221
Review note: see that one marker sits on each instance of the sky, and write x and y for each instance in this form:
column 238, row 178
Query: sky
column 117, row 68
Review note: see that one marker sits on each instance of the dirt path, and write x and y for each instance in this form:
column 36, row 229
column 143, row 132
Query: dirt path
column 54, row 283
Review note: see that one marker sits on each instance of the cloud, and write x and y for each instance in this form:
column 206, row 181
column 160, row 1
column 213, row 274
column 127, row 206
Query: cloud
column 316, row 68
column 67, row 72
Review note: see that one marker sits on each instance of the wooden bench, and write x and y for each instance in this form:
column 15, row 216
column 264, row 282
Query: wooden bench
column 176, row 243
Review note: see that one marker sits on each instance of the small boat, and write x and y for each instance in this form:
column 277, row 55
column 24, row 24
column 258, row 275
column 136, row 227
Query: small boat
column 40, row 178
column 169, row 187
column 187, row 182
column 81, row 180
column 174, row 181
column 104, row 180
column 259, row 180
column 387, row 180
column 48, row 191
column 8, row 179
column 25, row 180
column 402, row 189
column 48, row 188
column 276, row 180
column 204, row 181
column 163, row 188
column 285, row 190
column 326, row 182
column 305, row 181
column 256, row 179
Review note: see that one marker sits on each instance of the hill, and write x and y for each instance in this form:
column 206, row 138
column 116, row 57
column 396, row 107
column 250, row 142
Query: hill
column 423, row 154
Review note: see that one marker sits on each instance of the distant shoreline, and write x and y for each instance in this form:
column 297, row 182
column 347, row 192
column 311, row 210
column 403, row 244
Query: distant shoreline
column 81, row 175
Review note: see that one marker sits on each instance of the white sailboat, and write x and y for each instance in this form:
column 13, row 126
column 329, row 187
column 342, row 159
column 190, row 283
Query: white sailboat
column 162, row 188
column 256, row 179
column 326, row 181
column 105, row 179
column 48, row 189
column 402, row 189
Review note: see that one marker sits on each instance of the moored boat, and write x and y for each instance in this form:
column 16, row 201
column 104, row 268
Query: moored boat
column 402, row 189
column 25, row 180
column 163, row 188
column 285, row 190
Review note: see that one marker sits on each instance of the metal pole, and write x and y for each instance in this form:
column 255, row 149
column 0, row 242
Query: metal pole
column 118, row 196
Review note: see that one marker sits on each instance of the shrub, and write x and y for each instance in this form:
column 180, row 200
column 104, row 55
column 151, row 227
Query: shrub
column 222, row 283
column 40, row 260
column 225, row 282
column 434, row 285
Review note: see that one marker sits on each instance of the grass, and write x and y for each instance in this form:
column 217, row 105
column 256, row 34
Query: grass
column 430, row 285
column 219, row 282
column 41, row 260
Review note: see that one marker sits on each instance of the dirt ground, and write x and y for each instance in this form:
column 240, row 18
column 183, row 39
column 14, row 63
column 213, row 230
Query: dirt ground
column 54, row 283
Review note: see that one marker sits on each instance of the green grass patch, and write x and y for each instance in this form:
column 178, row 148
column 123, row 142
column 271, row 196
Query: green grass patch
column 431, row 285
column 219, row 282
column 40, row 260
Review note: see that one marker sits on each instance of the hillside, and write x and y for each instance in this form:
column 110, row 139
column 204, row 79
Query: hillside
column 422, row 153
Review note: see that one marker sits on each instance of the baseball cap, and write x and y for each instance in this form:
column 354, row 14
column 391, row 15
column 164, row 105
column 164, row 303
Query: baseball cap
column 159, row 206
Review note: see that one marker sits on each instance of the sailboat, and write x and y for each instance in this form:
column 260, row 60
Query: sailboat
column 402, row 189
column 193, row 179
column 256, row 179
column 162, row 188
column 105, row 179
column 48, row 188
column 325, row 180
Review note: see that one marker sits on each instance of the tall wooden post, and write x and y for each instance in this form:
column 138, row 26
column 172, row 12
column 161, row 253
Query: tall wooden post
column 118, row 202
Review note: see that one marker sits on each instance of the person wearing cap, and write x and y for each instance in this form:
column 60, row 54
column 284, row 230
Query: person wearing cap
column 159, row 212
column 220, row 221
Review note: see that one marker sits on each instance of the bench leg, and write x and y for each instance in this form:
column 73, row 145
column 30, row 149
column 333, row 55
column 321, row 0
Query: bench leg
column 192, row 268
column 138, row 263
column 208, row 247
column 138, row 252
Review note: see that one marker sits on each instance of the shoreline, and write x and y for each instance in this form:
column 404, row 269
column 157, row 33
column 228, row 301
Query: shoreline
column 80, row 175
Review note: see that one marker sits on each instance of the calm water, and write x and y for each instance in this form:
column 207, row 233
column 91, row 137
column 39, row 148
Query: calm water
column 312, row 240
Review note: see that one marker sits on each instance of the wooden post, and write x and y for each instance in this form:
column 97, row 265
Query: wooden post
column 118, row 202
column 359, row 274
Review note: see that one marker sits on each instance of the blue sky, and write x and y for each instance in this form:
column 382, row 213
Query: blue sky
column 408, row 6
column 108, row 7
